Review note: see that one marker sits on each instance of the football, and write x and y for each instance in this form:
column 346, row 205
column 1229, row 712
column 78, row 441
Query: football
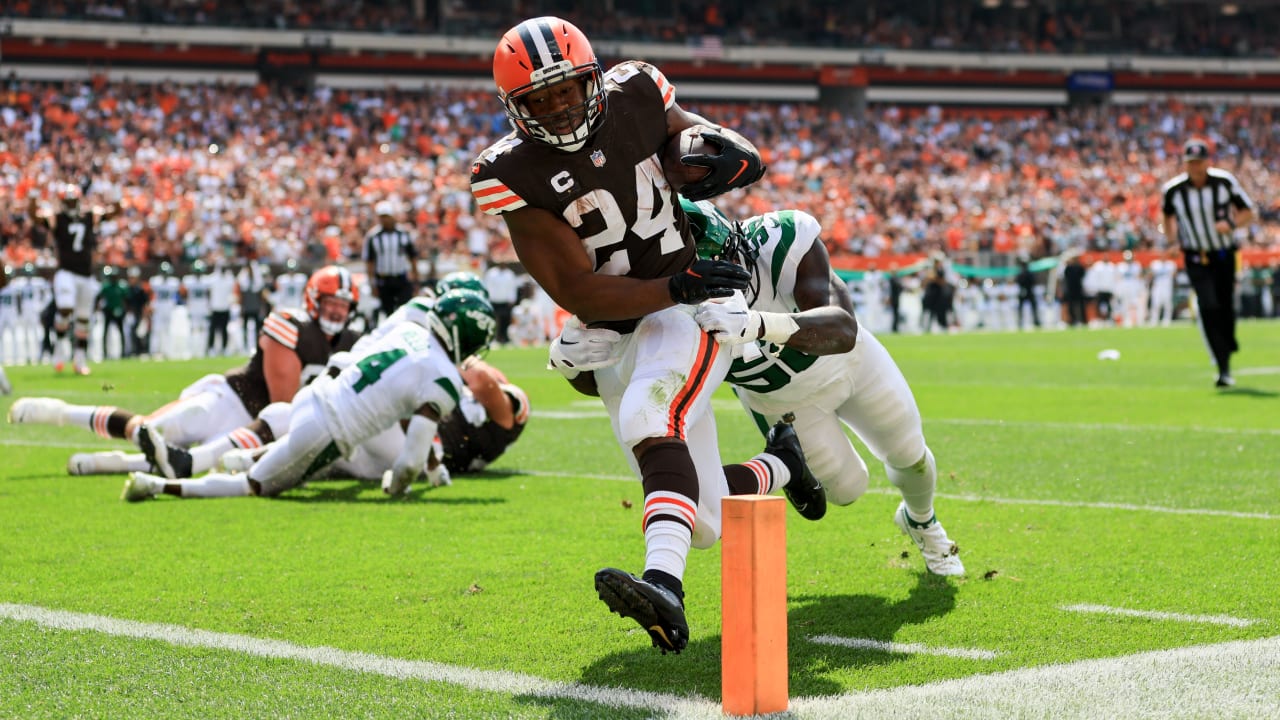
column 688, row 142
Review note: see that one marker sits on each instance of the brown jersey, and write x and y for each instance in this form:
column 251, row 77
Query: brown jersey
column 612, row 191
column 470, row 448
column 300, row 333
column 75, row 236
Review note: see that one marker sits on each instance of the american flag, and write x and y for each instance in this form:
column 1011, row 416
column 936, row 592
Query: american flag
column 708, row 47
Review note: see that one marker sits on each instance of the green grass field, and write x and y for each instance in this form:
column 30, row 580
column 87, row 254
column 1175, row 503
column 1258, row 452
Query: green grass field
column 1119, row 521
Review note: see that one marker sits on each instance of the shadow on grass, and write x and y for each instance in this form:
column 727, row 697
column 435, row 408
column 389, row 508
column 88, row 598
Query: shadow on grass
column 356, row 491
column 1239, row 391
column 695, row 673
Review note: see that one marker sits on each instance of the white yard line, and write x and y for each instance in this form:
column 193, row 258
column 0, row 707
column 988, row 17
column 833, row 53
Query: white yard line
column 469, row 678
column 1203, row 512
column 1155, row 615
column 1230, row 680
column 984, row 422
column 94, row 443
column 1106, row 427
column 1235, row 679
column 903, row 648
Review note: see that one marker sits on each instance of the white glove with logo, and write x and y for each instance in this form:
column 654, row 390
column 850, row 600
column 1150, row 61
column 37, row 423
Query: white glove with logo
column 581, row 349
column 729, row 319
column 731, row 322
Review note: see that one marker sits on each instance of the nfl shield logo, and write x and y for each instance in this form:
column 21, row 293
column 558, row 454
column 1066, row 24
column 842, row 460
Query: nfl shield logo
column 597, row 158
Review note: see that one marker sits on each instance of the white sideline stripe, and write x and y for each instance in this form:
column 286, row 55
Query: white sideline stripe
column 984, row 422
column 1235, row 679
column 1108, row 427
column 470, row 678
column 980, row 499
column 903, row 648
column 1257, row 371
column 92, row 444
column 1205, row 512
column 1239, row 679
column 1156, row 615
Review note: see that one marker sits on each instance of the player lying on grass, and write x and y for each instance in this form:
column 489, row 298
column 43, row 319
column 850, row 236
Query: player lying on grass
column 490, row 416
column 411, row 372
column 251, row 439
column 292, row 348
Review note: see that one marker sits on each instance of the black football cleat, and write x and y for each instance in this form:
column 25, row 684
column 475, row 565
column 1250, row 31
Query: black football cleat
column 803, row 490
column 656, row 608
column 172, row 462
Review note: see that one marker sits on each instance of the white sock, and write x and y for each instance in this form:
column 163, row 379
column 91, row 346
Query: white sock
column 206, row 455
column 916, row 483
column 86, row 416
column 666, row 547
column 136, row 462
column 216, row 485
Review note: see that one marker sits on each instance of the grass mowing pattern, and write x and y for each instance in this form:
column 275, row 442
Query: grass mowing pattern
column 494, row 573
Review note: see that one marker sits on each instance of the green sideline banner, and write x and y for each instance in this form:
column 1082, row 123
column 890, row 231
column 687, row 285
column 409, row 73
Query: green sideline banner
column 969, row 271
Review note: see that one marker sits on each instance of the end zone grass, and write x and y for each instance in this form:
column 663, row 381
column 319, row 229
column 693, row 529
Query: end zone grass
column 1067, row 481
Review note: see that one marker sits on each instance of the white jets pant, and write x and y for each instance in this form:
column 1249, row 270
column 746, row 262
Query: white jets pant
column 870, row 396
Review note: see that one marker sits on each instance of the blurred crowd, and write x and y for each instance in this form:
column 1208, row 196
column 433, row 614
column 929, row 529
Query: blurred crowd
column 225, row 173
column 1203, row 27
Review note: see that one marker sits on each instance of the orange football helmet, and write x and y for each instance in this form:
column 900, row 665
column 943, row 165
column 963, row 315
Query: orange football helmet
column 537, row 54
column 330, row 280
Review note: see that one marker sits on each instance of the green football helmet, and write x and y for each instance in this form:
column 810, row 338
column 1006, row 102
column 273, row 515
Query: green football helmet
column 464, row 322
column 711, row 229
column 461, row 280
column 719, row 238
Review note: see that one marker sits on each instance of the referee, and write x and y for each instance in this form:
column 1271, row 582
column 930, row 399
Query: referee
column 1202, row 209
column 389, row 258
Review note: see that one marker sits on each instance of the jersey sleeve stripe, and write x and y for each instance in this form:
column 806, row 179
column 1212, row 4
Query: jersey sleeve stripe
column 665, row 88
column 281, row 331
column 493, row 197
column 510, row 201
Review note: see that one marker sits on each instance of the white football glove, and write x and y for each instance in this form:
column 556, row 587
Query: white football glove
column 729, row 320
column 439, row 476
column 580, row 348
column 399, row 480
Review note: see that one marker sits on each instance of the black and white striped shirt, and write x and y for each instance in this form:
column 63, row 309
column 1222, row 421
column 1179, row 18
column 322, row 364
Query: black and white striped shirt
column 390, row 250
column 1197, row 210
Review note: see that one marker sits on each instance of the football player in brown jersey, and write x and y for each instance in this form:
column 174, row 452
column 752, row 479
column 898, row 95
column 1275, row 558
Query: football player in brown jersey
column 75, row 235
column 595, row 222
column 293, row 347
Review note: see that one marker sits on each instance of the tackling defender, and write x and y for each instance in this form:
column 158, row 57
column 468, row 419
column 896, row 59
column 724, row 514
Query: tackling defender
column 804, row 352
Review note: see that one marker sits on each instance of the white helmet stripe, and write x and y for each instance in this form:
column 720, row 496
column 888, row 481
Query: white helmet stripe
column 539, row 40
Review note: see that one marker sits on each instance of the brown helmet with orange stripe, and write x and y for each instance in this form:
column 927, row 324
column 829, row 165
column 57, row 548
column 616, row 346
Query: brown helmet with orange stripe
column 331, row 281
column 536, row 56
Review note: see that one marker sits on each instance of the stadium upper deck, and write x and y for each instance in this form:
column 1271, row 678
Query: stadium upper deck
column 1241, row 28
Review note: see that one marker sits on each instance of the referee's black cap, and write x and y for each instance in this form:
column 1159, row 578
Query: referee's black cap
column 1195, row 149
